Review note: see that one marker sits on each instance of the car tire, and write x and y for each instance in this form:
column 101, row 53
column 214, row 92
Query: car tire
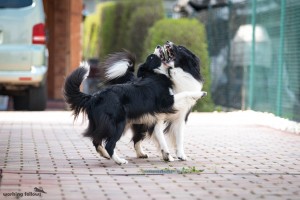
column 21, row 102
column 35, row 99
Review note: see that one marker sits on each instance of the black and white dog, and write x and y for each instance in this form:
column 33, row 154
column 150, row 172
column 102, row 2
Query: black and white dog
column 112, row 110
column 184, row 72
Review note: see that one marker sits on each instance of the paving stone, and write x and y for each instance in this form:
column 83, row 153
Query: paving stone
column 236, row 159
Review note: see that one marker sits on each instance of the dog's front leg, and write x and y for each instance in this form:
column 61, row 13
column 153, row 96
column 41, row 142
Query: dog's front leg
column 182, row 102
column 159, row 134
column 182, row 99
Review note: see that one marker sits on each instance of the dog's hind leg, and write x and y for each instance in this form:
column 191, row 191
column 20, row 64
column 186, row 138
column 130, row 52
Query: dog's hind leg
column 112, row 141
column 101, row 150
column 139, row 150
column 159, row 136
column 110, row 147
column 139, row 133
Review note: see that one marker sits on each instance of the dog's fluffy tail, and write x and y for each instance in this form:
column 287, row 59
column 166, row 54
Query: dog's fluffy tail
column 76, row 99
column 119, row 68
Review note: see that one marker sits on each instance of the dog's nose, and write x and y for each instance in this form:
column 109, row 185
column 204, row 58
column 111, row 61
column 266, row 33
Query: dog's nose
column 158, row 46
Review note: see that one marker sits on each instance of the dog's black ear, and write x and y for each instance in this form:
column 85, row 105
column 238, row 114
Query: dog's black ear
column 188, row 61
column 152, row 62
column 142, row 71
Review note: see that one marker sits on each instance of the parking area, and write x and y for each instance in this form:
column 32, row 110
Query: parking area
column 230, row 156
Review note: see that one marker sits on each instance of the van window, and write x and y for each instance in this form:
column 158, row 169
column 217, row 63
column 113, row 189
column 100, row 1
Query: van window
column 15, row 3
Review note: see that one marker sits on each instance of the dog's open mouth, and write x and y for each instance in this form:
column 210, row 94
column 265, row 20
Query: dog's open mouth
column 169, row 51
column 165, row 52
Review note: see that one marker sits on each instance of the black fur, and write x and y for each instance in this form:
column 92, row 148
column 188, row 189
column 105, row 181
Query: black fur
column 188, row 61
column 110, row 109
column 76, row 99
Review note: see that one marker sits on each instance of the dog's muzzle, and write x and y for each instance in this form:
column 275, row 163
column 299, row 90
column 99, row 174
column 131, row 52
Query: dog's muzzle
column 169, row 49
column 165, row 52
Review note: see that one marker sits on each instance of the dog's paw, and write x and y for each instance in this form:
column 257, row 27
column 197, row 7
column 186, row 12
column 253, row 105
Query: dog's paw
column 118, row 160
column 182, row 157
column 139, row 151
column 166, row 156
column 199, row 95
column 102, row 151
column 122, row 162
column 143, row 156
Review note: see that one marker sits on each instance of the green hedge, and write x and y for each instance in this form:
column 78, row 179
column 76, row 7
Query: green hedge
column 108, row 29
column 90, row 36
column 92, row 40
column 191, row 34
column 124, row 25
column 120, row 25
column 138, row 26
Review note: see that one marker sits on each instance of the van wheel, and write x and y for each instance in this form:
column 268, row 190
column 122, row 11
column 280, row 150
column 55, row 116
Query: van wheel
column 35, row 99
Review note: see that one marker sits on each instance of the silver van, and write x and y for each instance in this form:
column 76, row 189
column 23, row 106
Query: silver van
column 23, row 53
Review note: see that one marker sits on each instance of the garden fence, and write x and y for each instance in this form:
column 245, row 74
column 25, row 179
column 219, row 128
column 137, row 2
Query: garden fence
column 254, row 47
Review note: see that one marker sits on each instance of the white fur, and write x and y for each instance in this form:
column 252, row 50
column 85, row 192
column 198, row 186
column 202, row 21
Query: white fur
column 163, row 69
column 85, row 65
column 183, row 101
column 117, row 70
column 187, row 90
column 118, row 160
column 184, row 81
column 158, row 132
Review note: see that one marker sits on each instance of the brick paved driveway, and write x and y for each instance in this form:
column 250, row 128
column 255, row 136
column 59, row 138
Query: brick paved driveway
column 230, row 157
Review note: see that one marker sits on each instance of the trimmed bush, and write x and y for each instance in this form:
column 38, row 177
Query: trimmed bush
column 108, row 29
column 191, row 34
column 126, row 9
column 120, row 25
column 140, row 22
column 90, row 38
column 124, row 25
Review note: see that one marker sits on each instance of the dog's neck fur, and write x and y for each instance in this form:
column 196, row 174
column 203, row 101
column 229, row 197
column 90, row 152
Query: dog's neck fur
column 184, row 81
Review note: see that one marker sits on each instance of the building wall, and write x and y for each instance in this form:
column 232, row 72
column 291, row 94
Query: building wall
column 63, row 22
